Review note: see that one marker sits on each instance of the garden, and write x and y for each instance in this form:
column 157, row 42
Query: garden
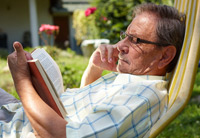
column 106, row 22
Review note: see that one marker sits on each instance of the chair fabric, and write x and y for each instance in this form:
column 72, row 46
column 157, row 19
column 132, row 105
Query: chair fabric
column 183, row 77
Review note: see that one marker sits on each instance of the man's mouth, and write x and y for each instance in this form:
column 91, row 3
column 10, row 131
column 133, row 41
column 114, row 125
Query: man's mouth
column 122, row 59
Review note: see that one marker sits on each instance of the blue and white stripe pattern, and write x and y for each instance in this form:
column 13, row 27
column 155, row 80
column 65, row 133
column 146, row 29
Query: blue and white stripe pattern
column 116, row 105
column 19, row 126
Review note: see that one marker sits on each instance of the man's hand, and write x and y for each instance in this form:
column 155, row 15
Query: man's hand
column 37, row 111
column 105, row 57
column 17, row 62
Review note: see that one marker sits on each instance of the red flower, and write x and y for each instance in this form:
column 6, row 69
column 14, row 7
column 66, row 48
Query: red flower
column 93, row 9
column 90, row 10
column 87, row 12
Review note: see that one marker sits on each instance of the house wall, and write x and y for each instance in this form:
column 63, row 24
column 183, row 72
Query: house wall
column 44, row 17
column 15, row 19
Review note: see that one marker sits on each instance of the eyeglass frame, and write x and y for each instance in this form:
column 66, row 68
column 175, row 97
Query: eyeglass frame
column 139, row 40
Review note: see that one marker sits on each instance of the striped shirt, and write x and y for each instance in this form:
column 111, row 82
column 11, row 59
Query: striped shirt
column 116, row 105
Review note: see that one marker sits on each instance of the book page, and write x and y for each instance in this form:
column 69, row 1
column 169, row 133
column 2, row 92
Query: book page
column 51, row 68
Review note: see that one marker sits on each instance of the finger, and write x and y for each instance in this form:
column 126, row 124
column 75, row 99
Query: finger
column 28, row 55
column 102, row 53
column 110, row 54
column 115, row 51
column 19, row 49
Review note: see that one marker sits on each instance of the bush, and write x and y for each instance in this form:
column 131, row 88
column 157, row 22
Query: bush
column 113, row 16
column 69, row 75
column 85, row 26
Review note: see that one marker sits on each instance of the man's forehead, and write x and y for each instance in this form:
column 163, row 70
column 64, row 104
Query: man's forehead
column 144, row 23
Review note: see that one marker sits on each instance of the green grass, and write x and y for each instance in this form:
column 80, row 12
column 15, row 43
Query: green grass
column 6, row 81
column 186, row 125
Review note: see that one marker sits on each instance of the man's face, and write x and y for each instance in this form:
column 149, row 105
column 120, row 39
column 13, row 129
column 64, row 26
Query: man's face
column 140, row 58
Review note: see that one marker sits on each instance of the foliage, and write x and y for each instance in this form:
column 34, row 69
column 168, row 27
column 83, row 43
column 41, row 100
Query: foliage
column 106, row 19
column 118, row 14
column 84, row 25
column 69, row 76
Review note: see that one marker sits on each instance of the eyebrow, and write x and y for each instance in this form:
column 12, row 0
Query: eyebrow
column 147, row 41
column 133, row 35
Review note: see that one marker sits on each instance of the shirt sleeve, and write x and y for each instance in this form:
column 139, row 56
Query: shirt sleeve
column 130, row 113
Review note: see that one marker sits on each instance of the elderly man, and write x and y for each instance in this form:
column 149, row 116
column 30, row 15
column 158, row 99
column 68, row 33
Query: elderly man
column 125, row 103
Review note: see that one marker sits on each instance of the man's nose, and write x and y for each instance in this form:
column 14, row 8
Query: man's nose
column 123, row 46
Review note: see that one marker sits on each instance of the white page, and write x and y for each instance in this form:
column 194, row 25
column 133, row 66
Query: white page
column 51, row 68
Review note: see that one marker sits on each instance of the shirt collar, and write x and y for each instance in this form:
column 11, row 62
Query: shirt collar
column 127, row 78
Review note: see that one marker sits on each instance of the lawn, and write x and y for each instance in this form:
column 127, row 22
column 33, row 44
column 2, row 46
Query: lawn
column 186, row 125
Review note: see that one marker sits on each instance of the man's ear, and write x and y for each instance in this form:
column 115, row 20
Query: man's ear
column 168, row 54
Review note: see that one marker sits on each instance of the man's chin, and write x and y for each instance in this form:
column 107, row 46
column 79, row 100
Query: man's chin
column 121, row 69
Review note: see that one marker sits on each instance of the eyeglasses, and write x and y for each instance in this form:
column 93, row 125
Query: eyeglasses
column 137, row 40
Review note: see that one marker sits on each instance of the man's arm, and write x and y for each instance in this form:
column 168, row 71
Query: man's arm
column 91, row 74
column 103, row 58
column 45, row 121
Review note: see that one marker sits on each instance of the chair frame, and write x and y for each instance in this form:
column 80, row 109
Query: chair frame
column 183, row 77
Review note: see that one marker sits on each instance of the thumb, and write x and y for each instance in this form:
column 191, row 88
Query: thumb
column 19, row 50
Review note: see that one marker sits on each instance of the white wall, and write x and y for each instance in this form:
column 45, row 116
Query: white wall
column 44, row 17
column 14, row 18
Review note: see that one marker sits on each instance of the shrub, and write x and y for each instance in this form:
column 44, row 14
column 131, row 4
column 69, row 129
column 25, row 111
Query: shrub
column 84, row 25
column 113, row 16
column 69, row 75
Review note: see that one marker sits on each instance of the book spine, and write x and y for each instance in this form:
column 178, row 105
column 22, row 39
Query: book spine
column 41, row 87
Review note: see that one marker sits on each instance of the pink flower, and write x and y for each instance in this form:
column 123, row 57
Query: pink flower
column 90, row 10
column 87, row 12
column 48, row 29
column 42, row 28
column 93, row 9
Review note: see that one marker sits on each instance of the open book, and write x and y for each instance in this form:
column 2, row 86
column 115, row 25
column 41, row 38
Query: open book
column 47, row 80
